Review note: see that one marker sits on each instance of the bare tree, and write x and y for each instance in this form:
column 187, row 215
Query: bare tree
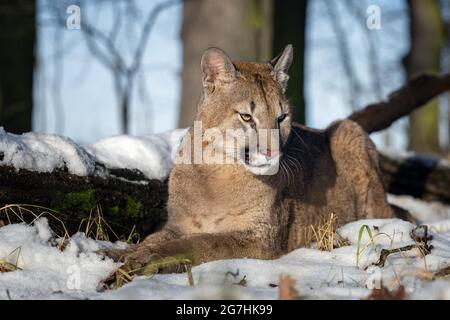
column 426, row 31
column 445, row 62
column 103, row 46
column 344, row 54
column 289, row 26
column 17, row 60
column 241, row 27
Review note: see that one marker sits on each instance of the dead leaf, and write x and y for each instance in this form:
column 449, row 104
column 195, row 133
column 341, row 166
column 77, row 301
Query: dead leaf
column 286, row 290
column 384, row 294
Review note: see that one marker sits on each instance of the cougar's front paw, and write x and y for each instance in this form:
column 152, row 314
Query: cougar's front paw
column 118, row 255
column 138, row 261
column 135, row 262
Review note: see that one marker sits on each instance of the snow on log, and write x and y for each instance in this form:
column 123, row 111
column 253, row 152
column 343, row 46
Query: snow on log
column 125, row 198
column 125, row 176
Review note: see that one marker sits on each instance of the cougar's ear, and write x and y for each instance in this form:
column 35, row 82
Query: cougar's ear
column 281, row 64
column 217, row 69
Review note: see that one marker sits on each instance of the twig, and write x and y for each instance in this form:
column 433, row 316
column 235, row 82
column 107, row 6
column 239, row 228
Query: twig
column 442, row 273
column 421, row 244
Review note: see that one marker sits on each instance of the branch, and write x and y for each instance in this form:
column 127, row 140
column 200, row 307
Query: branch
column 419, row 234
column 151, row 19
column 416, row 93
column 92, row 35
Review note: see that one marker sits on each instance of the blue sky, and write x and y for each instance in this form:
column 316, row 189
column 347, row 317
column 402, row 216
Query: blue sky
column 87, row 91
column 87, row 88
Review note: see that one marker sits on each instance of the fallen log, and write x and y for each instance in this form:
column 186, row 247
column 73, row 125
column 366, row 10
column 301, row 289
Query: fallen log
column 420, row 176
column 124, row 198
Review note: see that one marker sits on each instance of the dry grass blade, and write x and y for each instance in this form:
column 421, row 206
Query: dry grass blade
column 26, row 214
column 122, row 277
column 134, row 236
column 324, row 232
column 6, row 266
column 96, row 226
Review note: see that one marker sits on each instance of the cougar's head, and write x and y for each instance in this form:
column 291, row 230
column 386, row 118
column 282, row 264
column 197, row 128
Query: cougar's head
column 247, row 97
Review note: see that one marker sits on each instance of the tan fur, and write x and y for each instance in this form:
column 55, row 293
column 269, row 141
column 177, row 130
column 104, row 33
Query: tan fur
column 225, row 211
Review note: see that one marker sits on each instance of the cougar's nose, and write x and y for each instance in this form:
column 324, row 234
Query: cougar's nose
column 270, row 153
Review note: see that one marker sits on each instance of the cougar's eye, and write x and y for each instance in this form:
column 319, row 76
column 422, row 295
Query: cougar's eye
column 282, row 117
column 245, row 116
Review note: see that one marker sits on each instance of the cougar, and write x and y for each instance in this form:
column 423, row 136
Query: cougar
column 222, row 211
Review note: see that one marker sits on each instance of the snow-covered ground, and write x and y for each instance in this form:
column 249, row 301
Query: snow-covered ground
column 46, row 272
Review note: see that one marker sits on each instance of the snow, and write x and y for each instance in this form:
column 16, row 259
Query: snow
column 151, row 154
column 420, row 209
column 44, row 153
column 47, row 271
column 74, row 273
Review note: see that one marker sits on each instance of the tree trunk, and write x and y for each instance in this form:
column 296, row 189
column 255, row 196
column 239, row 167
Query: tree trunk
column 289, row 26
column 17, row 59
column 426, row 30
column 445, row 62
column 240, row 27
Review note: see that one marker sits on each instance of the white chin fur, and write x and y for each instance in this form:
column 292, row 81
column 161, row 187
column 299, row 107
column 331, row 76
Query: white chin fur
column 260, row 165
